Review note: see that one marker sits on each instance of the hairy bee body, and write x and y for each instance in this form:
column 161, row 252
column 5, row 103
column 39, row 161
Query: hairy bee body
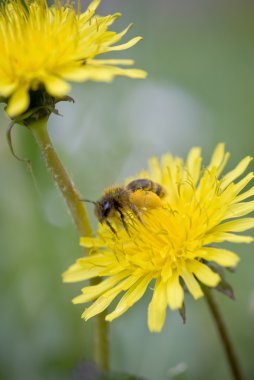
column 146, row 185
column 119, row 200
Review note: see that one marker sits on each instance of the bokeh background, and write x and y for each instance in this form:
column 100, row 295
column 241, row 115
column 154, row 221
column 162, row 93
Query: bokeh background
column 200, row 91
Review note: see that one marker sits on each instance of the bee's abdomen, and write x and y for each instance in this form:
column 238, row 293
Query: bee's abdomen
column 146, row 185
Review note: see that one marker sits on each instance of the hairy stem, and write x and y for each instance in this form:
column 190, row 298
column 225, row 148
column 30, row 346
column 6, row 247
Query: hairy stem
column 223, row 333
column 80, row 218
column 61, row 178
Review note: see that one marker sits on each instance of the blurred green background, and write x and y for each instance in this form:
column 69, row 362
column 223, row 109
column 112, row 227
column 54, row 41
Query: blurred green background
column 200, row 91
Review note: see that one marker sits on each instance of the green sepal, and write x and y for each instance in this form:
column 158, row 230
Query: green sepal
column 223, row 286
column 182, row 313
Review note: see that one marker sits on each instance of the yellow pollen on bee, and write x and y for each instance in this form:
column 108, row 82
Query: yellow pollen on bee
column 146, row 199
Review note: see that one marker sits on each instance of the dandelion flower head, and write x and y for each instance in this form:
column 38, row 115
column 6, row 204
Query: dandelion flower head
column 178, row 241
column 46, row 46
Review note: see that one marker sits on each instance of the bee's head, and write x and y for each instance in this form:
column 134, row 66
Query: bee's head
column 103, row 209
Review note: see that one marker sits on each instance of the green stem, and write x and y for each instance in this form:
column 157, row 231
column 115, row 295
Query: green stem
column 80, row 218
column 101, row 344
column 61, row 178
column 223, row 333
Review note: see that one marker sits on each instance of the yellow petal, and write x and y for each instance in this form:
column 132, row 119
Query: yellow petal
column 88, row 267
column 223, row 163
column 246, row 194
column 101, row 24
column 239, row 209
column 203, row 273
column 192, row 284
column 73, row 72
column 238, row 238
column 155, row 169
column 130, row 298
column 194, row 163
column 127, row 45
column 90, row 242
column 168, row 178
column 95, row 62
column 104, row 301
column 19, row 101
column 218, row 156
column 100, row 73
column 98, row 306
column 94, row 291
column 96, row 259
column 233, row 238
column 238, row 225
column 97, row 74
column 7, row 88
column 131, row 73
column 93, row 6
column 236, row 172
column 157, row 307
column 56, row 86
column 175, row 293
column 239, row 186
column 88, row 14
column 77, row 273
column 220, row 256
column 219, row 159
column 118, row 36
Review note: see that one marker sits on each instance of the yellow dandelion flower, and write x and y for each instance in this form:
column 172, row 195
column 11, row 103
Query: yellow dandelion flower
column 45, row 47
column 174, row 246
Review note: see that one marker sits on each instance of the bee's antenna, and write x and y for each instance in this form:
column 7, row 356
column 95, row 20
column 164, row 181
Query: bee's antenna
column 87, row 200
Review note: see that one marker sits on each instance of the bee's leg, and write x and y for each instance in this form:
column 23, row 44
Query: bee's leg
column 123, row 221
column 136, row 212
column 111, row 227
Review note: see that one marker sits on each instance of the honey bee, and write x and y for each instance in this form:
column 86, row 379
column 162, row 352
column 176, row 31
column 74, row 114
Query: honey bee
column 119, row 200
